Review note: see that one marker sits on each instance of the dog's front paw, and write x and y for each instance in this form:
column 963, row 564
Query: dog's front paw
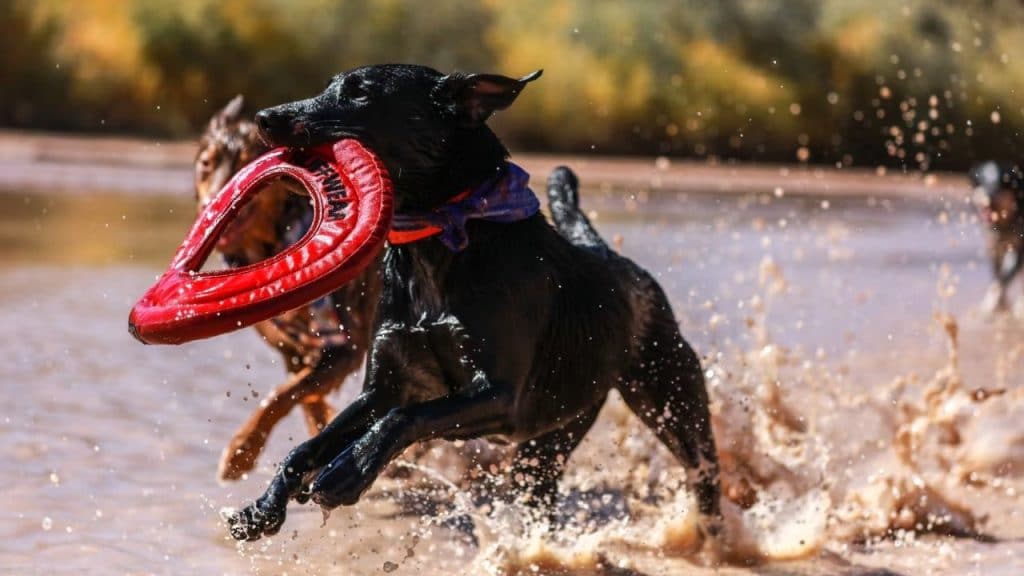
column 255, row 521
column 343, row 481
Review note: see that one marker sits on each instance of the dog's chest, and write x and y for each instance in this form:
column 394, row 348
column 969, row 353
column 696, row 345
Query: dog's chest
column 427, row 359
column 419, row 337
column 423, row 289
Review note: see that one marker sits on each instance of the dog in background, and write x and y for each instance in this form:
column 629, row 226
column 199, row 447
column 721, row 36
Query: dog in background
column 999, row 197
column 321, row 343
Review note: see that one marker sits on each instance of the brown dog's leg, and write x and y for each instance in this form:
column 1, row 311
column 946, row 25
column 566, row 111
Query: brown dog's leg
column 240, row 455
column 318, row 413
column 245, row 446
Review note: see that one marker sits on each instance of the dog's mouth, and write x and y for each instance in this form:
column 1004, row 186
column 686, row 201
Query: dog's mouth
column 302, row 133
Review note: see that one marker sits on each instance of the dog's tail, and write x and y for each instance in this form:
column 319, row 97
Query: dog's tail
column 570, row 221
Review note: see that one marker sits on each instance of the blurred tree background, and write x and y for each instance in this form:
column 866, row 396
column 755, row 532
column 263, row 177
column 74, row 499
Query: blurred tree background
column 914, row 84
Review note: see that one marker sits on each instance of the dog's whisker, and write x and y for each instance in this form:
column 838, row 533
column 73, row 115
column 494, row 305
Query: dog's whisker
column 326, row 124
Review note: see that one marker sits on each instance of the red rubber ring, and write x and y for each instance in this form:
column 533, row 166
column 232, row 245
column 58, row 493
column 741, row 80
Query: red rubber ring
column 352, row 209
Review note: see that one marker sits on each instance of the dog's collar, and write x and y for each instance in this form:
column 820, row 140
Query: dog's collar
column 505, row 198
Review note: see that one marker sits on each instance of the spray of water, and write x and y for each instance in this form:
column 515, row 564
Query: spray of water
column 814, row 460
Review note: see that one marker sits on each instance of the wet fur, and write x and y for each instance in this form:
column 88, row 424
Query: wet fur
column 518, row 338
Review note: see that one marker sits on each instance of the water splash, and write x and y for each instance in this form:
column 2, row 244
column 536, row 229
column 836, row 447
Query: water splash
column 810, row 464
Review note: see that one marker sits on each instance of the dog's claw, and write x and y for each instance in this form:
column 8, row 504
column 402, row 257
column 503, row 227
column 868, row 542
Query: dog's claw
column 255, row 521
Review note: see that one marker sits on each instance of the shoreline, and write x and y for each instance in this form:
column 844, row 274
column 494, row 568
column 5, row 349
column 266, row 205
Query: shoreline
column 76, row 164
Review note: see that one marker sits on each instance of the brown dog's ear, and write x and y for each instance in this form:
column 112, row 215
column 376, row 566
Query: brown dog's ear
column 477, row 96
column 231, row 112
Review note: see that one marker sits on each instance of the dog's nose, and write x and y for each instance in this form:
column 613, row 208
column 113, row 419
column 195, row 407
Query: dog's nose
column 271, row 121
column 265, row 119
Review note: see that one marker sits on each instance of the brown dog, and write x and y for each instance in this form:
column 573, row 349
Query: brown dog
column 323, row 342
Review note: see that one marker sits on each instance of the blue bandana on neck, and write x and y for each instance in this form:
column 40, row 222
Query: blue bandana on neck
column 505, row 198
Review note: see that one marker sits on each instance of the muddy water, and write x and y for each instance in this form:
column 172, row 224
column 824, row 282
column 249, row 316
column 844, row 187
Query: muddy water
column 863, row 409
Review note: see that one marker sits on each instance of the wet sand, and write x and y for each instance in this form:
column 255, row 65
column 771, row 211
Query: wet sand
column 844, row 411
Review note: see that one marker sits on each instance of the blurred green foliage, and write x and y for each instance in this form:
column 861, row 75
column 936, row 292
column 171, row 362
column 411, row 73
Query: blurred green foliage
column 916, row 83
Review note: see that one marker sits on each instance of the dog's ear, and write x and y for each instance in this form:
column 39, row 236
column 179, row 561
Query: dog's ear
column 231, row 112
column 474, row 97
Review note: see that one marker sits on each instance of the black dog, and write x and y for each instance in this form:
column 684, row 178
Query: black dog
column 999, row 197
column 519, row 337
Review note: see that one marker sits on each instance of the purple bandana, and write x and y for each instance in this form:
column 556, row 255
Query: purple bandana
column 505, row 198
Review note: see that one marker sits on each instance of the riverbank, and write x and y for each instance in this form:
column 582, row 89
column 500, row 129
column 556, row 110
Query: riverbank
column 32, row 162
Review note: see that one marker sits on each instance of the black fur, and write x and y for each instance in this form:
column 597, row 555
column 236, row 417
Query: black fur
column 517, row 338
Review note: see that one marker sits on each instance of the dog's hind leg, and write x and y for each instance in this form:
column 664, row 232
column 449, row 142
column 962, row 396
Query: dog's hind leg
column 318, row 413
column 538, row 464
column 305, row 387
column 315, row 407
column 239, row 457
column 665, row 388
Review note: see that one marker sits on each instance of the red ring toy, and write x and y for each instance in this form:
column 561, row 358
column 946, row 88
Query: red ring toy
column 352, row 209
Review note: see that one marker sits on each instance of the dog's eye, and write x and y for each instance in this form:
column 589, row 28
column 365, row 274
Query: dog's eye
column 353, row 89
column 204, row 163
